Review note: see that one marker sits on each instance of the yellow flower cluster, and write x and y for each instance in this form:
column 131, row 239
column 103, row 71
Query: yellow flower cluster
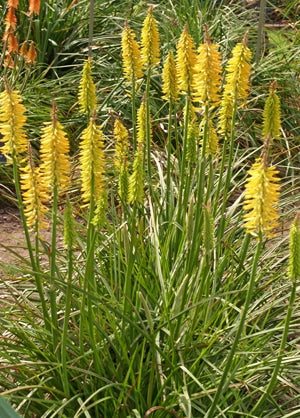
column 12, row 119
column 207, row 77
column 271, row 115
column 91, row 160
column 150, row 41
column 132, row 64
column 121, row 138
column 185, row 61
column 87, row 90
column 261, row 199
column 35, row 196
column 54, row 153
column 169, row 79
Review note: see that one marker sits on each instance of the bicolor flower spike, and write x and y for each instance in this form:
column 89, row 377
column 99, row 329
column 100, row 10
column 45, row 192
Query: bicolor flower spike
column 271, row 115
column 150, row 41
column 207, row 77
column 54, row 151
column 185, row 61
column 261, row 199
column 87, row 90
column 131, row 55
column 169, row 78
column 12, row 124
column 91, row 160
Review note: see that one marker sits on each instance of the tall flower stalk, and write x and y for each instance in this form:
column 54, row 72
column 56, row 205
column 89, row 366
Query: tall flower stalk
column 121, row 158
column 87, row 90
column 150, row 55
column 55, row 171
column 170, row 94
column 235, row 93
column 132, row 69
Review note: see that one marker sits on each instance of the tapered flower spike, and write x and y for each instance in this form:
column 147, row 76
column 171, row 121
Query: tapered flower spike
column 261, row 199
column 207, row 77
column 54, row 152
column 12, row 43
column 169, row 78
column 69, row 226
column 294, row 258
column 121, row 138
column 34, row 194
column 12, row 124
column 185, row 61
column 34, row 7
column 236, row 83
column 150, row 41
column 92, row 165
column 31, row 54
column 192, row 135
column 10, row 19
column 271, row 114
column 131, row 55
column 87, row 90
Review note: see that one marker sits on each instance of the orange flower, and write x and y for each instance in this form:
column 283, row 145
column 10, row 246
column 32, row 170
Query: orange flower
column 34, row 7
column 12, row 43
column 10, row 19
column 13, row 3
column 31, row 54
column 23, row 49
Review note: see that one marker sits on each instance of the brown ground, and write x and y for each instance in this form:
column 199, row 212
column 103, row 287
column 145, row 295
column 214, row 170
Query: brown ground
column 11, row 235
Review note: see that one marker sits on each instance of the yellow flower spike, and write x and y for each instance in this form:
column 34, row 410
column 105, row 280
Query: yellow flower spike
column 261, row 199
column 132, row 64
column 34, row 194
column 136, row 180
column 236, row 83
column 207, row 78
column 54, row 151
column 12, row 124
column 87, row 90
column 150, row 41
column 271, row 114
column 185, row 61
column 169, row 78
column 121, row 137
column 212, row 142
column 91, row 160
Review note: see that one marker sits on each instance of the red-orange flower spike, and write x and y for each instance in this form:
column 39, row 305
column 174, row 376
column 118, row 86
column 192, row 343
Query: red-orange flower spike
column 10, row 19
column 12, row 43
column 31, row 54
column 34, row 7
column 13, row 3
column 23, row 49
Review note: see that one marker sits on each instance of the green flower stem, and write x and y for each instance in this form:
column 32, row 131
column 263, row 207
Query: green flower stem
column 169, row 152
column 228, row 175
column 37, row 277
column 52, row 291
column 273, row 379
column 65, row 379
column 225, row 380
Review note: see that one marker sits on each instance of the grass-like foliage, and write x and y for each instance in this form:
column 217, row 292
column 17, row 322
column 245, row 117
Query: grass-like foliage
column 159, row 212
